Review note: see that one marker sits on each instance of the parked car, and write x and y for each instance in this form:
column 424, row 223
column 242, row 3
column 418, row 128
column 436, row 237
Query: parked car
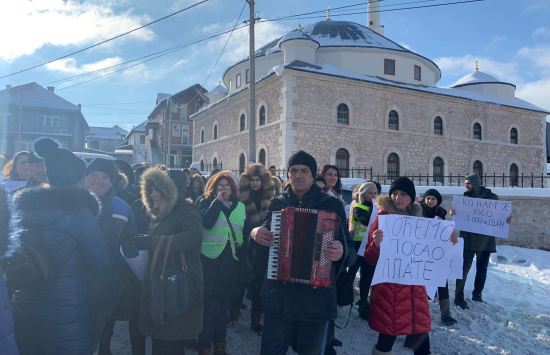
column 348, row 184
column 88, row 157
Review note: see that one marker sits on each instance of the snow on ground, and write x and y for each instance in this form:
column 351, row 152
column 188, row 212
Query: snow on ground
column 514, row 320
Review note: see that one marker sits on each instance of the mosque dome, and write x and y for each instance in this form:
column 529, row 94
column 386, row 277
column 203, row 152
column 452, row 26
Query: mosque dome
column 481, row 82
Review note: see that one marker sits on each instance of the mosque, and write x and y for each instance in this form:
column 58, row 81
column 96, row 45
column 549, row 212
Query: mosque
column 354, row 98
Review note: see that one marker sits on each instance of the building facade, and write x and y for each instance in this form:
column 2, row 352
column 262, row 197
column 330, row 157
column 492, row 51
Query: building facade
column 168, row 138
column 105, row 139
column 30, row 111
column 351, row 97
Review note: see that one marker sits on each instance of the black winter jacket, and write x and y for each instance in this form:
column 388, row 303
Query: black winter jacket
column 296, row 302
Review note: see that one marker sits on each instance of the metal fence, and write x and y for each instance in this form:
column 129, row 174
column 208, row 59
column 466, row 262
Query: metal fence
column 489, row 180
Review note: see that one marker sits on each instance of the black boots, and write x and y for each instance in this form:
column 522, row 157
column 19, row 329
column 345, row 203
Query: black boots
column 445, row 308
column 461, row 302
column 477, row 297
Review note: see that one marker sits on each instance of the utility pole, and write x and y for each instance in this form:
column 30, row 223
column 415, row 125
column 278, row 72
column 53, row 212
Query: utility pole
column 252, row 85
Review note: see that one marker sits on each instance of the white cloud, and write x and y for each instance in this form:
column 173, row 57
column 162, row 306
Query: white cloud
column 539, row 55
column 542, row 31
column 460, row 66
column 34, row 24
column 536, row 92
column 70, row 66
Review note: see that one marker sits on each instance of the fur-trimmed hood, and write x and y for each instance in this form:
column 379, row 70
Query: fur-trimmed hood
column 157, row 179
column 42, row 206
column 267, row 193
column 385, row 203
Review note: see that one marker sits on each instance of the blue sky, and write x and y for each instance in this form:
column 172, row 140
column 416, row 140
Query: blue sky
column 511, row 38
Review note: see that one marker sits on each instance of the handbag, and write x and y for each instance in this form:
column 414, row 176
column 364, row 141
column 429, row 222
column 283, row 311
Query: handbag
column 246, row 271
column 172, row 290
column 344, row 289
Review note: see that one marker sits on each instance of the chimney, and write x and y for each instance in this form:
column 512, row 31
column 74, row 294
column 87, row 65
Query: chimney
column 79, row 107
column 8, row 86
column 51, row 89
column 373, row 11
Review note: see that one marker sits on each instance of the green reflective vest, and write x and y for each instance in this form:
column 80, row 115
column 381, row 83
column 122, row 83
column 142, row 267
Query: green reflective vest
column 215, row 238
column 360, row 228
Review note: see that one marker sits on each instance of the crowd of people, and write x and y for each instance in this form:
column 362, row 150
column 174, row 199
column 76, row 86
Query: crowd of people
column 177, row 255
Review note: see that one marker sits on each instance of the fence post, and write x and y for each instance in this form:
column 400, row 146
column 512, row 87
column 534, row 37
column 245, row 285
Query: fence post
column 521, row 179
column 502, row 179
column 494, row 179
column 532, row 182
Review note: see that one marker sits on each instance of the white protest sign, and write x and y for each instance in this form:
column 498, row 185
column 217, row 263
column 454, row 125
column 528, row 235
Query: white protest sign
column 10, row 185
column 414, row 251
column 363, row 246
column 482, row 216
column 457, row 260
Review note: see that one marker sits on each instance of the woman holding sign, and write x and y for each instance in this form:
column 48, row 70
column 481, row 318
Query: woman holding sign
column 431, row 208
column 397, row 309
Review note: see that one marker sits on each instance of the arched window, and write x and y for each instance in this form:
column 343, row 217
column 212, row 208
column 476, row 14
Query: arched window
column 514, row 175
column 202, row 135
column 342, row 162
column 393, row 122
column 215, row 162
column 342, row 114
column 242, row 163
column 439, row 169
column 261, row 156
column 393, row 165
column 202, row 165
column 438, row 126
column 514, row 136
column 215, row 131
column 477, row 131
column 261, row 116
column 478, row 169
column 242, row 123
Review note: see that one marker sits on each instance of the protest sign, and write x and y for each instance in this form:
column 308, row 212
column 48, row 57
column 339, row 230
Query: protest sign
column 10, row 185
column 457, row 260
column 482, row 216
column 414, row 251
column 363, row 246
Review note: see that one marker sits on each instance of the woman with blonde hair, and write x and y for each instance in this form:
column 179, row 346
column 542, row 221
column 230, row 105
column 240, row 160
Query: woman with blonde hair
column 223, row 224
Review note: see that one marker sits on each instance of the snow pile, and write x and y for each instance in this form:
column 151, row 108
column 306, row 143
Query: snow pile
column 514, row 320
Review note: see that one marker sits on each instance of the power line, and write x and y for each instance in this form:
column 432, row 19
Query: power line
column 162, row 53
column 225, row 45
column 105, row 41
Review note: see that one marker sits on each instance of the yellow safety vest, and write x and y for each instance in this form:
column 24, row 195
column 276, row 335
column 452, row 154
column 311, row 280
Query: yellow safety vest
column 215, row 238
column 360, row 228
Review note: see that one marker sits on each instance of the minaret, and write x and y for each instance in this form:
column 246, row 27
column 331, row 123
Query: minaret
column 373, row 11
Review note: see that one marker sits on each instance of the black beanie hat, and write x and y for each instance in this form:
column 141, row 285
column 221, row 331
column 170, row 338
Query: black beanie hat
column 404, row 184
column 434, row 193
column 63, row 168
column 474, row 180
column 105, row 166
column 303, row 158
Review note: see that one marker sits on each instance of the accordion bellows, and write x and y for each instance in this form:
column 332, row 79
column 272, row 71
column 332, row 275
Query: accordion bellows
column 297, row 254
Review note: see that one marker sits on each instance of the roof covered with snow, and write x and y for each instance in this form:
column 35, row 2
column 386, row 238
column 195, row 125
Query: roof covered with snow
column 478, row 77
column 115, row 132
column 296, row 34
column 463, row 94
column 34, row 95
column 140, row 128
column 219, row 89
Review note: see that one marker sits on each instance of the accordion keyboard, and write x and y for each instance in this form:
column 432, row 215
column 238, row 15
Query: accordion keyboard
column 274, row 248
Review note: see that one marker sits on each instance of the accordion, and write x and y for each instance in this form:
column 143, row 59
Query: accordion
column 300, row 238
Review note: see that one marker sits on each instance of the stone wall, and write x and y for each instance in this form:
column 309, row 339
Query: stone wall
column 369, row 141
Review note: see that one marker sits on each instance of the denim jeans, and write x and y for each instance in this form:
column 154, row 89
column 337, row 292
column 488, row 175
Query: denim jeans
column 482, row 262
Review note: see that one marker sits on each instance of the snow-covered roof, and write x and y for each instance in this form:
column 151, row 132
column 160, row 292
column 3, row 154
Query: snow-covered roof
column 34, row 95
column 219, row 89
column 292, row 35
column 114, row 132
column 463, row 94
column 478, row 77
column 140, row 128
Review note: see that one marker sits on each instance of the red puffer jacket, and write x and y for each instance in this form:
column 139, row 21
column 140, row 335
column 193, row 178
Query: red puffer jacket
column 396, row 309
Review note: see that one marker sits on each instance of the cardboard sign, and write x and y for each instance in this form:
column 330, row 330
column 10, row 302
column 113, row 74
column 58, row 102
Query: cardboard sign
column 482, row 216
column 457, row 260
column 414, row 251
column 363, row 246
